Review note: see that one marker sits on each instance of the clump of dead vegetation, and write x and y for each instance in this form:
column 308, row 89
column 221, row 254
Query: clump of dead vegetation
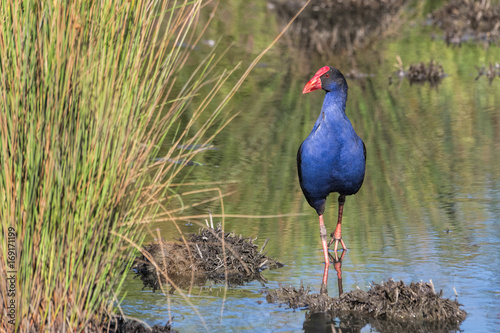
column 432, row 73
column 464, row 20
column 211, row 254
column 490, row 72
column 420, row 73
column 330, row 26
column 389, row 303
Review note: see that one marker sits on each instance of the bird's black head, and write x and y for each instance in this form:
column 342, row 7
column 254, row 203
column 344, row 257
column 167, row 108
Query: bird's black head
column 327, row 78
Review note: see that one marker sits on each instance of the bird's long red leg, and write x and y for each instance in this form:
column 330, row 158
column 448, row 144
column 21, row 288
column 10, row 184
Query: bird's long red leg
column 337, row 234
column 322, row 233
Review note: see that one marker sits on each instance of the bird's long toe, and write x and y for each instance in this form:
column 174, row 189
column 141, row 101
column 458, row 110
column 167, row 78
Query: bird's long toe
column 337, row 240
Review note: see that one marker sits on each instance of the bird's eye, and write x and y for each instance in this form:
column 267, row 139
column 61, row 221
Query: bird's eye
column 327, row 75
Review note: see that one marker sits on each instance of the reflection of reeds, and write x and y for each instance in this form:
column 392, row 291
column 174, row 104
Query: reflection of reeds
column 327, row 27
column 464, row 20
column 89, row 91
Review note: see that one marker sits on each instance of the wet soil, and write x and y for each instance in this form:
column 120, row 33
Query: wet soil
column 465, row 20
column 388, row 307
column 211, row 254
column 330, row 26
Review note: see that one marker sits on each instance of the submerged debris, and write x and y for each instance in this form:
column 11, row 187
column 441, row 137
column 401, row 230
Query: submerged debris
column 389, row 303
column 202, row 260
column 421, row 73
column 327, row 26
column 464, row 20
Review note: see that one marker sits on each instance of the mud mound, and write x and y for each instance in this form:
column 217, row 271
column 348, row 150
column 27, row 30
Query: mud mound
column 206, row 257
column 327, row 26
column 388, row 305
column 464, row 20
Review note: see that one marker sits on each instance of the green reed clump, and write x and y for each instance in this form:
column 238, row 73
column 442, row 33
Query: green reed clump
column 89, row 90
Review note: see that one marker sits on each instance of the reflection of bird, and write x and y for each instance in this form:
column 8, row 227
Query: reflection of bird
column 332, row 158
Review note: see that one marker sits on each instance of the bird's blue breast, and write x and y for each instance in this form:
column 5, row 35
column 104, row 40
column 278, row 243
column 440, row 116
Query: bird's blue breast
column 331, row 158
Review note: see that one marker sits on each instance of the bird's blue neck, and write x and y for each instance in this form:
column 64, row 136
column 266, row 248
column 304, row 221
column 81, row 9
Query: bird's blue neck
column 333, row 110
column 334, row 103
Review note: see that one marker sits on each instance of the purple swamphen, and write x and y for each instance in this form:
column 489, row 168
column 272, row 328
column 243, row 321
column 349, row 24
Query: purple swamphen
column 332, row 158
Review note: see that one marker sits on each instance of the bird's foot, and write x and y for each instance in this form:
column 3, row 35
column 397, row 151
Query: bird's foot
column 337, row 243
column 337, row 240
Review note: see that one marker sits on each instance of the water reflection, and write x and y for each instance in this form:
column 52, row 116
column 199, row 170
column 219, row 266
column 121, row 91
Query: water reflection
column 323, row 322
column 337, row 265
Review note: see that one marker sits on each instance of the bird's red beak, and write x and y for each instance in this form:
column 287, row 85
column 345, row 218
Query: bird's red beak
column 315, row 82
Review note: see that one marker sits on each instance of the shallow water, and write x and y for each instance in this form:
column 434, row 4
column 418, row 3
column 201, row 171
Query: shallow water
column 429, row 208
